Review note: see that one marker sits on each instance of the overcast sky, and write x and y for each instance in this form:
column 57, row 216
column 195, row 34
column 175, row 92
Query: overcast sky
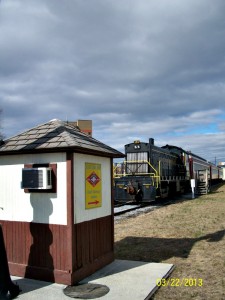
column 138, row 69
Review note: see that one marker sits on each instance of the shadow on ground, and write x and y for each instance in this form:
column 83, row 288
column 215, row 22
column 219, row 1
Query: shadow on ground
column 160, row 249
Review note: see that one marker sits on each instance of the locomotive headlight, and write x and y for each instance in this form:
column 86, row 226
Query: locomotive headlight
column 137, row 144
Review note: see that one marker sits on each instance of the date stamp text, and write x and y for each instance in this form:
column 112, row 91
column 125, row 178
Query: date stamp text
column 179, row 282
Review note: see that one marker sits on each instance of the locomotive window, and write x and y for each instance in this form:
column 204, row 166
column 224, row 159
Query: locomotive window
column 137, row 147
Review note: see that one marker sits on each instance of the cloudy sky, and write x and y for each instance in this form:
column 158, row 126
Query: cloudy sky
column 138, row 69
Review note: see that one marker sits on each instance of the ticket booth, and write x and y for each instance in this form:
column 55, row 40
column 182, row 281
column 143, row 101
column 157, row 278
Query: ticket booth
column 56, row 206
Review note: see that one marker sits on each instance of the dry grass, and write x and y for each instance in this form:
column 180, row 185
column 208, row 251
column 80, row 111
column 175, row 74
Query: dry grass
column 188, row 234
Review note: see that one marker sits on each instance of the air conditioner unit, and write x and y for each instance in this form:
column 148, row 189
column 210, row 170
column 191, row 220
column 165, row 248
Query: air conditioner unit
column 37, row 178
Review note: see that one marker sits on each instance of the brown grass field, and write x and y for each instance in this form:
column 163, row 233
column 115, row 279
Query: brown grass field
column 189, row 234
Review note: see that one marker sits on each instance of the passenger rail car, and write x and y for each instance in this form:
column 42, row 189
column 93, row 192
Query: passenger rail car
column 150, row 172
column 202, row 171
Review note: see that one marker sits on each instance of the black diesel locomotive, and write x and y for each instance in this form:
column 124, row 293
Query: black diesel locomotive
column 150, row 172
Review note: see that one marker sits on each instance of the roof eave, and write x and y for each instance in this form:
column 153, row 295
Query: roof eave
column 63, row 149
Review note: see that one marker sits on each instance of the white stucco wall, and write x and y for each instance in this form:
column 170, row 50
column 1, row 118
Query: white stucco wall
column 16, row 205
column 80, row 213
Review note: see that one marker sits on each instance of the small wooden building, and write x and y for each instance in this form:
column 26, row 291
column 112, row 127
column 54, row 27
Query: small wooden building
column 56, row 205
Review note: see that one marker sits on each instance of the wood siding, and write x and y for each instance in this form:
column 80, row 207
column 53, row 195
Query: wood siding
column 93, row 239
column 40, row 251
column 94, row 246
column 36, row 250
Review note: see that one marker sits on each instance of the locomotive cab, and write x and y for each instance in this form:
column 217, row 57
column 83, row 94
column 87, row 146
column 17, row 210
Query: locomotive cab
column 137, row 157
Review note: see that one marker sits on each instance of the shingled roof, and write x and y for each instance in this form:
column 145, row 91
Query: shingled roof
column 55, row 136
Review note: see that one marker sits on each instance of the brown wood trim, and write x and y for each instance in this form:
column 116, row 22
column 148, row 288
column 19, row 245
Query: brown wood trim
column 64, row 149
column 38, row 273
column 61, row 276
column 54, row 178
column 70, row 247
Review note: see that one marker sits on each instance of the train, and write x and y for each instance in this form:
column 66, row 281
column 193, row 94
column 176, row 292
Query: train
column 150, row 172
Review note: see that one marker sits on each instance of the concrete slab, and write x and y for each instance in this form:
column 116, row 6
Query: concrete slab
column 125, row 279
column 35, row 289
column 130, row 279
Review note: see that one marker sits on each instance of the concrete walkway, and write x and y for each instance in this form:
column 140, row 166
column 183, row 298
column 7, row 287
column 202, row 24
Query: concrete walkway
column 125, row 279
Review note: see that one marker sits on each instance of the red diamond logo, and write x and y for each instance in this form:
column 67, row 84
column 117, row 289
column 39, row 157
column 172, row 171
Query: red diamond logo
column 93, row 179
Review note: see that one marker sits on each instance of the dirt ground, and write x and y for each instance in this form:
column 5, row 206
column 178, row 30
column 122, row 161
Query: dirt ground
column 189, row 234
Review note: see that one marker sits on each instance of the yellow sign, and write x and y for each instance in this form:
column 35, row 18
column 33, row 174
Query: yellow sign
column 93, row 185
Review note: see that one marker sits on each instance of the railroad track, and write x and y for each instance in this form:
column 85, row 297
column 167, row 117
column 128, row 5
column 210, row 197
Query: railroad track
column 118, row 210
column 132, row 209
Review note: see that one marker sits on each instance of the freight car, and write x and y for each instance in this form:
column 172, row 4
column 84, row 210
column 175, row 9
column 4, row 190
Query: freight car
column 150, row 172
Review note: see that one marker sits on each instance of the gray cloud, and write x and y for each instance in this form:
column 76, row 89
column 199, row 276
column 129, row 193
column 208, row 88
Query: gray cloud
column 138, row 69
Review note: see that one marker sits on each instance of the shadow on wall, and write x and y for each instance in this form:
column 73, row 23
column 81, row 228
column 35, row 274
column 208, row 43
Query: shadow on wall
column 160, row 249
column 40, row 263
